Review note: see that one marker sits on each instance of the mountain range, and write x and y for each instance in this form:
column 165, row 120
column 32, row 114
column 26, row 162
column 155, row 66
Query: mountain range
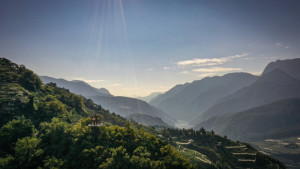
column 126, row 106
column 243, row 107
column 77, row 86
column 123, row 106
column 185, row 102
column 272, row 86
column 45, row 126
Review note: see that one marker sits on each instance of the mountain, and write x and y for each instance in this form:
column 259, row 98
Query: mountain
column 149, row 97
column 104, row 91
column 126, row 106
column 45, row 126
column 120, row 105
column 185, row 102
column 76, row 86
column 148, row 120
column 290, row 66
column 279, row 119
column 270, row 87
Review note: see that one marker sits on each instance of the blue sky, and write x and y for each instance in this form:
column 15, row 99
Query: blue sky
column 136, row 47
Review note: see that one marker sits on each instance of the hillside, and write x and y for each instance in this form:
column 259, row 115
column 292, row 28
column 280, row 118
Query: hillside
column 279, row 119
column 44, row 126
column 123, row 106
column 273, row 86
column 126, row 106
column 195, row 98
column 222, row 152
column 76, row 86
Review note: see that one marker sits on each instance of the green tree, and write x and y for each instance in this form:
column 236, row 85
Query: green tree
column 28, row 152
column 119, row 159
column 52, row 163
column 13, row 130
column 7, row 162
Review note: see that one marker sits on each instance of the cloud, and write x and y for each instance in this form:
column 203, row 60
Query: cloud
column 184, row 72
column 216, row 69
column 256, row 73
column 116, row 84
column 248, row 58
column 278, row 44
column 150, row 69
column 209, row 61
column 89, row 81
column 287, row 47
column 166, row 68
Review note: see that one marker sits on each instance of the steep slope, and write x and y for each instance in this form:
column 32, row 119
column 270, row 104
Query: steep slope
column 149, row 97
column 290, row 66
column 123, row 106
column 170, row 93
column 77, row 86
column 126, row 106
column 279, row 119
column 148, row 120
column 23, row 94
column 273, row 86
column 185, row 102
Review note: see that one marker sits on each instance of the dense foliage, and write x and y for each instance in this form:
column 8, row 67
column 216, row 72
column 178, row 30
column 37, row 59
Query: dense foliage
column 59, row 144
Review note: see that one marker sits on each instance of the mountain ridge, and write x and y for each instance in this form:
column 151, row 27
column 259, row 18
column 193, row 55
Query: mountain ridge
column 117, row 104
column 76, row 86
column 270, row 87
column 184, row 102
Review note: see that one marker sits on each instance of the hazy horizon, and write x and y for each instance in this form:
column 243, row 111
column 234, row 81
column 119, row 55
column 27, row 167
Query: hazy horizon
column 137, row 47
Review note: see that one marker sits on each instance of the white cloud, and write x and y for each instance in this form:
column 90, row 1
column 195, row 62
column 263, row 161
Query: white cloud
column 166, row 68
column 184, row 72
column 278, row 44
column 216, row 69
column 287, row 47
column 248, row 58
column 150, row 69
column 116, row 84
column 89, row 81
column 256, row 73
column 209, row 61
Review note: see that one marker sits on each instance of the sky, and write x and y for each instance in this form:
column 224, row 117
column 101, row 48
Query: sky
column 136, row 47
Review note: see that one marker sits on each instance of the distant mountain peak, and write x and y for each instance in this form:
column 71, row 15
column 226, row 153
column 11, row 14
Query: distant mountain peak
column 77, row 86
column 290, row 66
column 277, row 76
